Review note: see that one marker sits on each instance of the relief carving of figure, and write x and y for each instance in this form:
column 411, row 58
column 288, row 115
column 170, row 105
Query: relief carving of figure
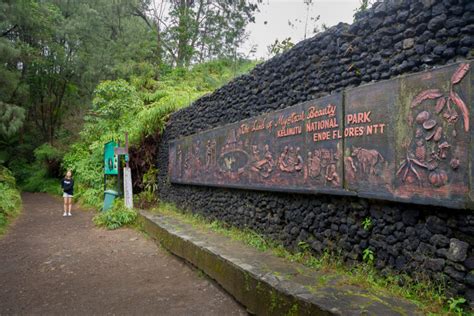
column 331, row 174
column 283, row 160
column 298, row 160
column 322, row 166
column 210, row 154
column 290, row 160
column 196, row 159
column 188, row 165
column 179, row 160
column 314, row 163
column 262, row 165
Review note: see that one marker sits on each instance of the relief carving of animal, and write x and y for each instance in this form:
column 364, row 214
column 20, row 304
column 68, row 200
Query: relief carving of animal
column 229, row 161
column 367, row 158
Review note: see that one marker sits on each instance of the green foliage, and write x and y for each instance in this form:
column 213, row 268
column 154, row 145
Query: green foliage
column 303, row 246
column 106, row 66
column 10, row 199
column 364, row 6
column 150, row 180
column 191, row 31
column 11, row 119
column 247, row 236
column 42, row 175
column 255, row 240
column 293, row 311
column 6, row 177
column 141, row 108
column 39, row 181
column 117, row 217
column 53, row 54
column 367, row 223
column 455, row 305
column 144, row 199
column 420, row 289
column 85, row 160
column 48, row 154
column 148, row 195
column 368, row 256
column 113, row 99
column 280, row 47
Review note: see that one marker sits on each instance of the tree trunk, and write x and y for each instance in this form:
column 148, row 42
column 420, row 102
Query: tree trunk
column 183, row 37
column 159, row 49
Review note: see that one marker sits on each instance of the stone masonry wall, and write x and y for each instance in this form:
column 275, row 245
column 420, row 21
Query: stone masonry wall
column 392, row 38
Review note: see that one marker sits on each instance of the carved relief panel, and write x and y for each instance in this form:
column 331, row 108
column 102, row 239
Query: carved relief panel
column 406, row 139
column 433, row 148
column 369, row 130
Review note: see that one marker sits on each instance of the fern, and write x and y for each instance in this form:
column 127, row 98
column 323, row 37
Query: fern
column 117, row 217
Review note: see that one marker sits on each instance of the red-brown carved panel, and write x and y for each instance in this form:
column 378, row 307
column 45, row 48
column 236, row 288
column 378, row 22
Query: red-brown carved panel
column 470, row 99
column 406, row 139
column 433, row 150
column 369, row 133
column 295, row 149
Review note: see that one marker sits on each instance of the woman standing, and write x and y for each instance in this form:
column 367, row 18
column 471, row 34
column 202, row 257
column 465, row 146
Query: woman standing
column 68, row 188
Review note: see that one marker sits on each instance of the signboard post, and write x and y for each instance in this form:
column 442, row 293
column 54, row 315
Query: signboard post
column 110, row 159
column 127, row 187
column 127, row 176
column 112, row 153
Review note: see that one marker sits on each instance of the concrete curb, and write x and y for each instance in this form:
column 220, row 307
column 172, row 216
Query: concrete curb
column 263, row 283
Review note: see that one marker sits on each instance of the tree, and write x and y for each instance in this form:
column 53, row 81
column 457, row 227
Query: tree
column 364, row 6
column 12, row 118
column 54, row 53
column 197, row 30
column 309, row 4
column 279, row 47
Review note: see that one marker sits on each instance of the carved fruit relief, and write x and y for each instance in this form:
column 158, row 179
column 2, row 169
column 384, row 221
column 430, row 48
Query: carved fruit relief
column 428, row 155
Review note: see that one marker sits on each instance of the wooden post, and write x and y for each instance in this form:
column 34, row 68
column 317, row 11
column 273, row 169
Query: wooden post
column 127, row 178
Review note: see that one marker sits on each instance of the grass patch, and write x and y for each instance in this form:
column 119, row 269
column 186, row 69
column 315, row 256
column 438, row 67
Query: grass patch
column 427, row 294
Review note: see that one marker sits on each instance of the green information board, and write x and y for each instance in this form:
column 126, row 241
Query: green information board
column 110, row 159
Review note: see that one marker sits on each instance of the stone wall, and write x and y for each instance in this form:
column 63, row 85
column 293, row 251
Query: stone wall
column 392, row 38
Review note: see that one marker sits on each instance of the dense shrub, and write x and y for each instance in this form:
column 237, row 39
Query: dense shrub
column 10, row 200
column 44, row 173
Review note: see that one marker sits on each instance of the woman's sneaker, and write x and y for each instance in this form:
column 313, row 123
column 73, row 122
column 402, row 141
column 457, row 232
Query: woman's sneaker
column 65, row 214
column 69, row 214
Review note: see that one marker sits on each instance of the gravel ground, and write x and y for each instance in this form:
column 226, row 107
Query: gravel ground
column 65, row 265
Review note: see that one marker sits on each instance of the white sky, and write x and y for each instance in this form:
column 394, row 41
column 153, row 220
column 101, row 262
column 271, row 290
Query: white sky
column 277, row 13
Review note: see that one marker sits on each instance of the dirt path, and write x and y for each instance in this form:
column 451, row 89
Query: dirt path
column 55, row 265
